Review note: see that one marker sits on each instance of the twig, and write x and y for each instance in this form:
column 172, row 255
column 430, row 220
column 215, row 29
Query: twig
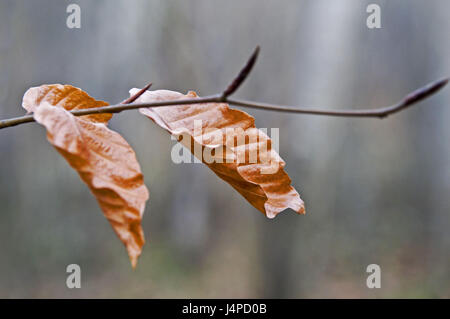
column 407, row 101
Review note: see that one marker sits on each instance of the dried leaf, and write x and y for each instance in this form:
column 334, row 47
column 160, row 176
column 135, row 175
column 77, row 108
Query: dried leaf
column 66, row 96
column 102, row 158
column 231, row 140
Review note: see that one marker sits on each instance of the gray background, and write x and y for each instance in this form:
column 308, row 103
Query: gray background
column 377, row 191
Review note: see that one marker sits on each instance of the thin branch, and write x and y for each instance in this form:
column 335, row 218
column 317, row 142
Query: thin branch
column 407, row 101
column 410, row 99
column 29, row 118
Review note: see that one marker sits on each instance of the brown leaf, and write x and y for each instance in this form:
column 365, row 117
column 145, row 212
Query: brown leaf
column 66, row 96
column 229, row 144
column 102, row 158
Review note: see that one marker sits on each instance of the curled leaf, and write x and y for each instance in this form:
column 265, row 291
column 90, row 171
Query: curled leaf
column 227, row 141
column 102, row 158
column 66, row 96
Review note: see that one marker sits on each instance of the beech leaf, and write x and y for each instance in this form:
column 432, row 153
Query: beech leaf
column 102, row 157
column 261, row 180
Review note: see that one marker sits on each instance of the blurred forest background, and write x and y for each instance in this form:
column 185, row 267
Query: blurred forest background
column 377, row 191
